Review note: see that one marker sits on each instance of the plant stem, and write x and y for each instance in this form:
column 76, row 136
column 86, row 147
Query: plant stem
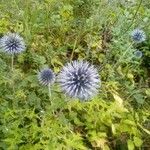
column 12, row 74
column 12, row 71
column 75, row 43
column 50, row 96
column 49, row 91
column 138, row 7
column 134, row 17
column 12, row 62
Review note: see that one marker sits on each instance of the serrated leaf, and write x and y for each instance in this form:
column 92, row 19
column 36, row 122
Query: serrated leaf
column 118, row 99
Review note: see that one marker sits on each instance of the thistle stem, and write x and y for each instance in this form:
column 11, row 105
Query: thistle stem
column 49, row 91
column 12, row 73
column 134, row 17
column 50, row 95
column 12, row 62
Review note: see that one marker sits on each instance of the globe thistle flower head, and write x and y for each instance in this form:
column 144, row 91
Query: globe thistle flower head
column 138, row 54
column 138, row 35
column 46, row 77
column 12, row 43
column 79, row 79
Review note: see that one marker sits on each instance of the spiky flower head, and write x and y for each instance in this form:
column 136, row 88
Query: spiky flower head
column 46, row 77
column 138, row 54
column 138, row 35
column 12, row 43
column 79, row 79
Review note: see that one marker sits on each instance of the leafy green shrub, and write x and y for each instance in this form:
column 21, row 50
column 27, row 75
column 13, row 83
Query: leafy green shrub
column 57, row 32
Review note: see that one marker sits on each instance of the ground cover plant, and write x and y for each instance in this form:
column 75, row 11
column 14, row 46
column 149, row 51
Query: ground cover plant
column 74, row 75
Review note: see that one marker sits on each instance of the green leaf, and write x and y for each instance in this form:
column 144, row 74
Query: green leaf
column 113, row 129
column 118, row 99
column 106, row 147
column 147, row 92
column 137, row 141
column 139, row 98
column 130, row 145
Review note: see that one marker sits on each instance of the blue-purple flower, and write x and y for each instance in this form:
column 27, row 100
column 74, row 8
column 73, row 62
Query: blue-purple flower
column 79, row 79
column 12, row 43
column 138, row 54
column 46, row 77
column 138, row 35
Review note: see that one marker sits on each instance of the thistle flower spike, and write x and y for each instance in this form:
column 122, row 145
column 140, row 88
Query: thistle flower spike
column 46, row 77
column 12, row 43
column 79, row 79
column 138, row 54
column 138, row 35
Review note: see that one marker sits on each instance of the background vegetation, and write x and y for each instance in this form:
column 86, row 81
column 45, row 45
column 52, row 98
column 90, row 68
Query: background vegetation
column 57, row 32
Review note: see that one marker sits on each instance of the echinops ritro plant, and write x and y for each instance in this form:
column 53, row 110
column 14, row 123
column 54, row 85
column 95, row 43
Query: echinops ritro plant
column 138, row 54
column 79, row 79
column 138, row 35
column 46, row 77
column 12, row 43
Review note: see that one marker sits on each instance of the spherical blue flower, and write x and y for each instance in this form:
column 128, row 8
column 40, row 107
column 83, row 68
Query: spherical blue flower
column 79, row 79
column 12, row 43
column 46, row 77
column 138, row 54
column 138, row 35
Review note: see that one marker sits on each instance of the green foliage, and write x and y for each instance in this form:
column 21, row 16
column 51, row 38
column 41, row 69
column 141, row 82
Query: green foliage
column 57, row 32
